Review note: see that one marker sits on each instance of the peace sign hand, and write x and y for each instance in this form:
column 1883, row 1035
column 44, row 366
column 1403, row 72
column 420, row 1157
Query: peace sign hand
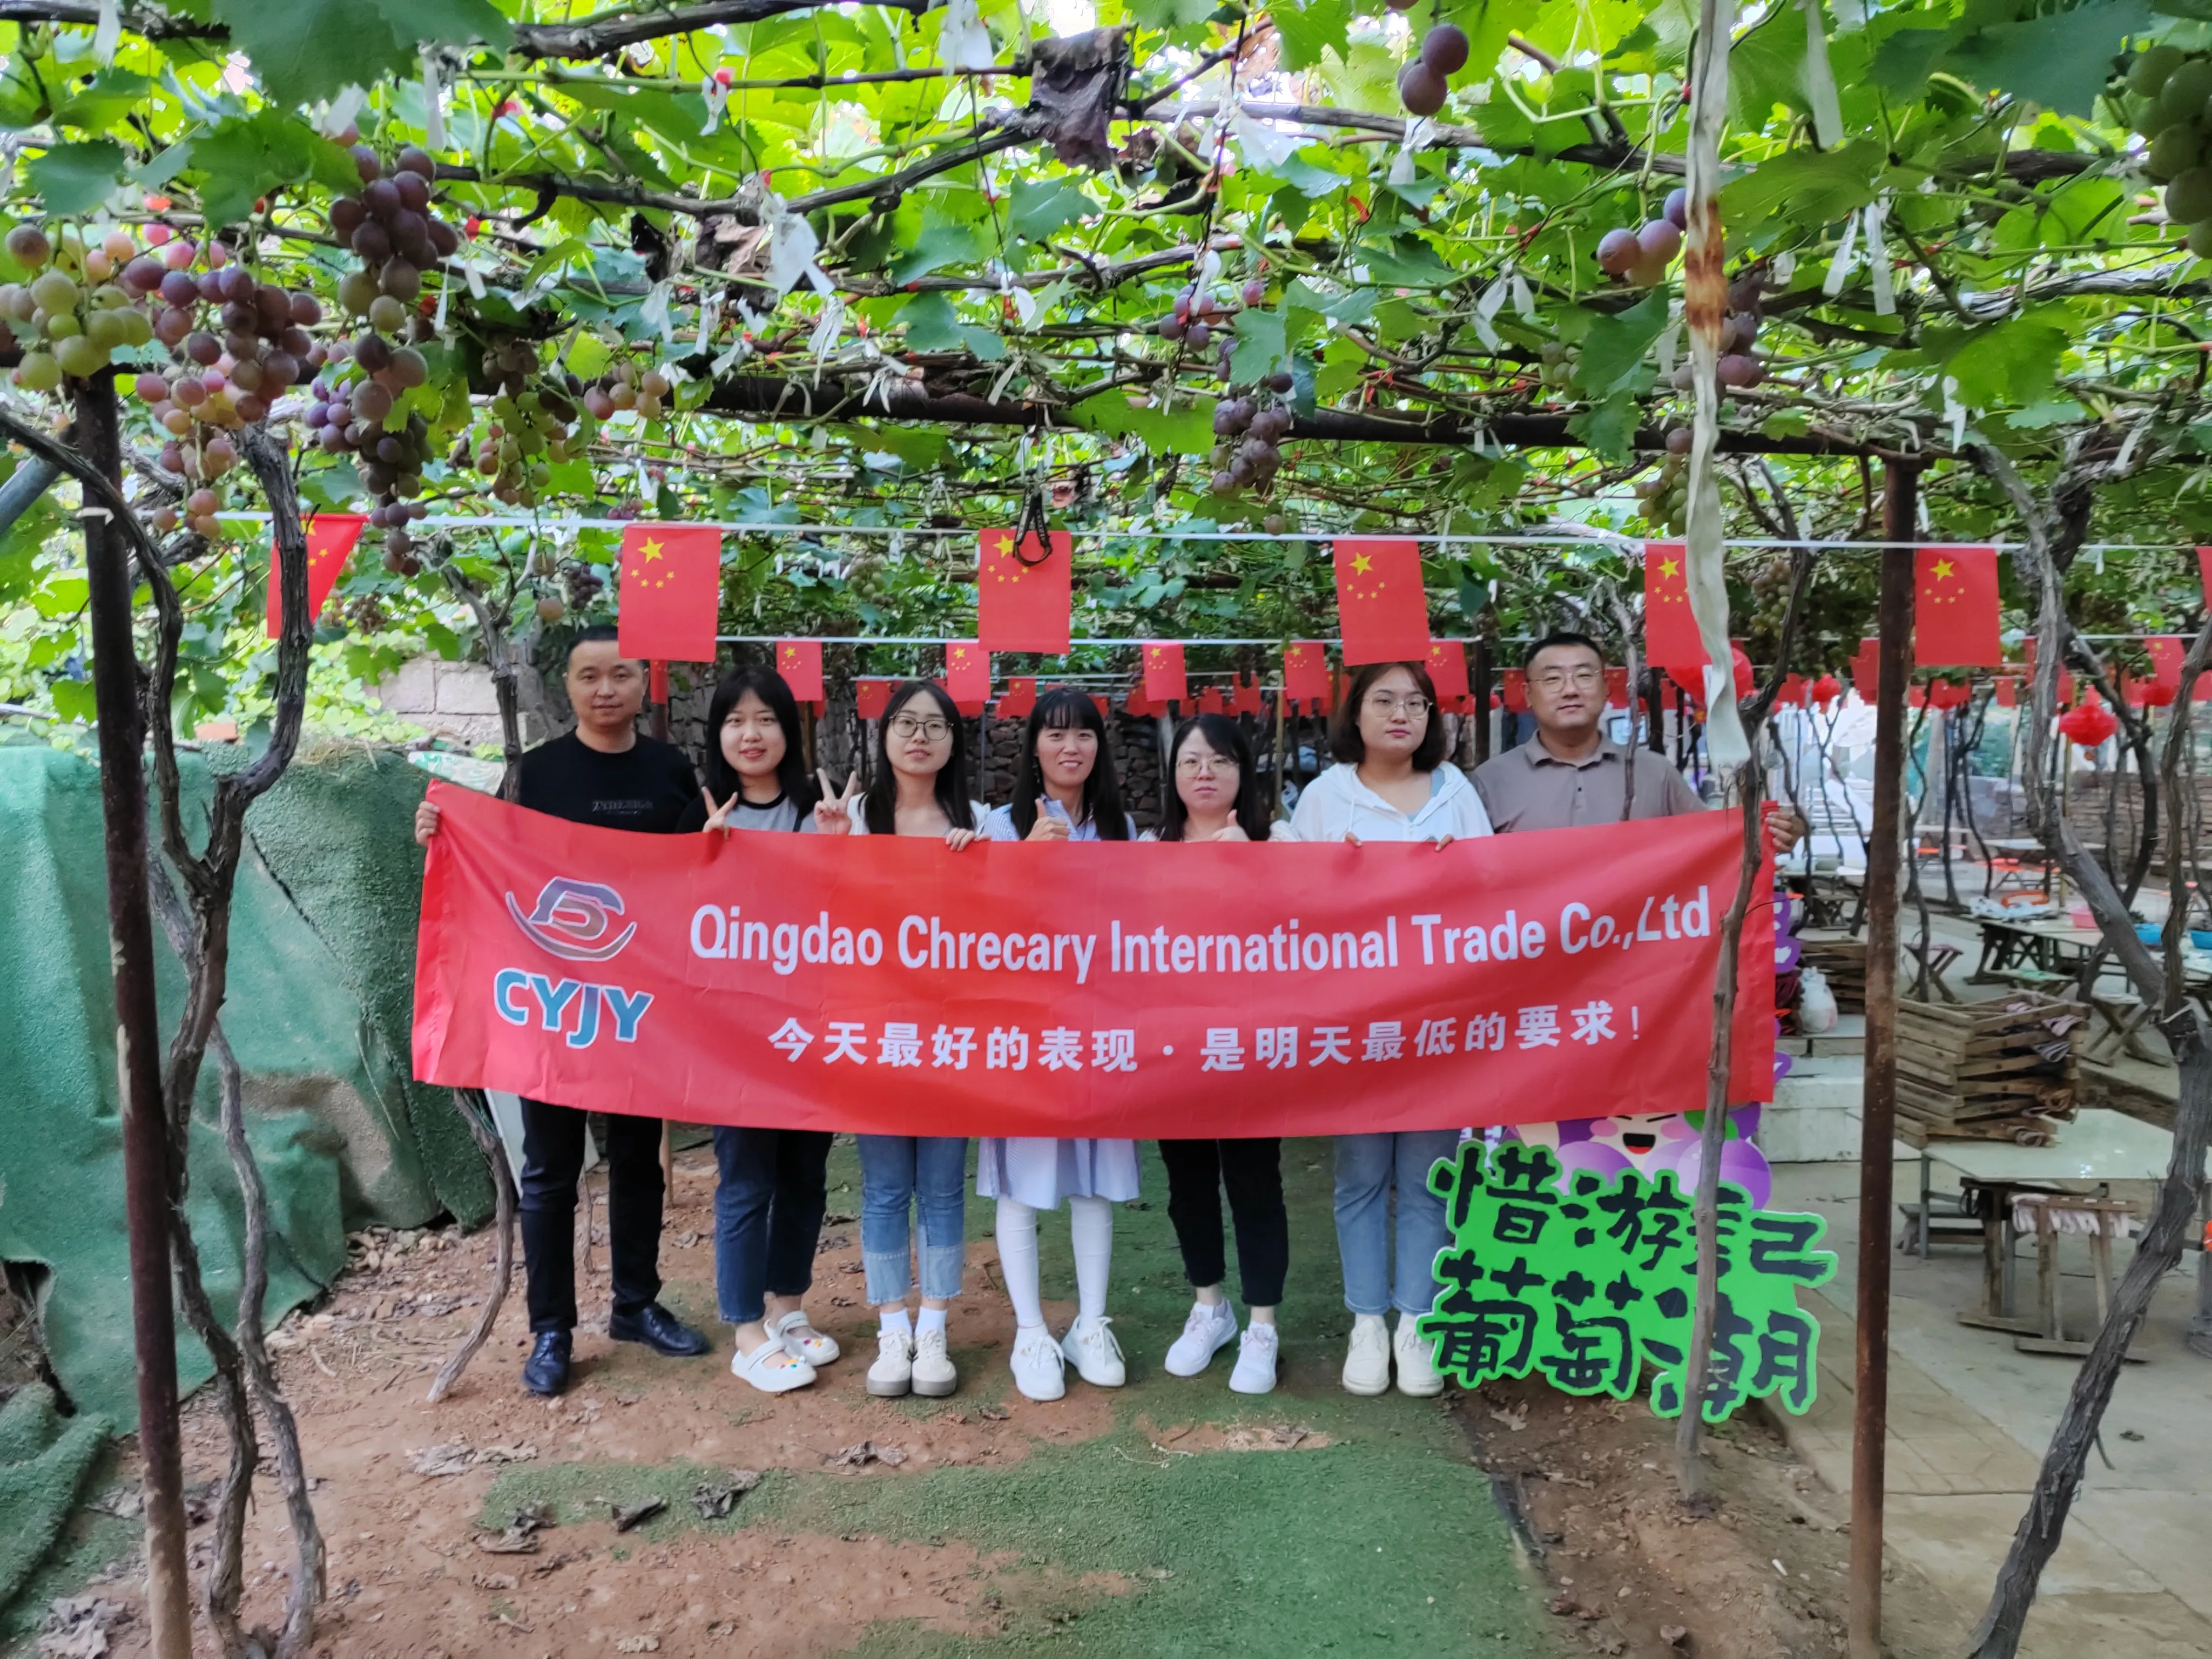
column 718, row 818
column 833, row 813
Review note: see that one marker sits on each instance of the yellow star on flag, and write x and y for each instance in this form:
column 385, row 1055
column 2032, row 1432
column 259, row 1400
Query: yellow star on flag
column 648, row 550
column 1361, row 564
column 1943, row 567
column 1670, row 568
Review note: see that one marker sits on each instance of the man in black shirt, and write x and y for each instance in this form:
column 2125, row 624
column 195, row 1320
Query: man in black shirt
column 604, row 773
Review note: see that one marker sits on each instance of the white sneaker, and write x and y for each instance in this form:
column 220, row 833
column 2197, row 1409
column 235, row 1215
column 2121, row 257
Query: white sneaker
column 1255, row 1361
column 1367, row 1361
column 1040, row 1371
column 933, row 1374
column 1096, row 1355
column 1205, row 1333
column 892, row 1374
column 1417, row 1372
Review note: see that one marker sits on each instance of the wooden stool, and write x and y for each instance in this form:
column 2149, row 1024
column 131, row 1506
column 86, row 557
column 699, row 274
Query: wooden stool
column 2048, row 1215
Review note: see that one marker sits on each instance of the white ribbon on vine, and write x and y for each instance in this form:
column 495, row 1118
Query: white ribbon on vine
column 1265, row 146
column 963, row 41
column 791, row 250
column 1492, row 301
column 1840, row 267
column 1954, row 411
column 1818, row 80
column 1878, row 271
column 107, row 32
column 714, row 95
column 434, row 100
column 1670, row 340
column 1417, row 134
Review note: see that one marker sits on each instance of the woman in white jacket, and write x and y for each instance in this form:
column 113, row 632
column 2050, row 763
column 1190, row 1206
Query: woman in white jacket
column 1390, row 783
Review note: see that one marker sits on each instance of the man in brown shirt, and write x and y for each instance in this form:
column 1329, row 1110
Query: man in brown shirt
column 1568, row 774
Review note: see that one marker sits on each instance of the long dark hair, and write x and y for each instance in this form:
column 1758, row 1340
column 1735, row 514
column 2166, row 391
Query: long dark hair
column 1344, row 739
column 791, row 775
column 879, row 807
column 1226, row 738
column 1058, row 710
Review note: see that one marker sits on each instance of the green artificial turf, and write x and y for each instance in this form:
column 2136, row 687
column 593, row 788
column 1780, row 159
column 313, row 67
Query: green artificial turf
column 1384, row 1541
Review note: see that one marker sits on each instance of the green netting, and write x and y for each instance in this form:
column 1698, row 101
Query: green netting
column 43, row 1459
column 321, row 952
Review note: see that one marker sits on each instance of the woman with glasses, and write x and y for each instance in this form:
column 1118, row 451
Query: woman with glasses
column 772, row 1185
column 918, row 787
column 1217, row 797
column 1064, row 790
column 1390, row 783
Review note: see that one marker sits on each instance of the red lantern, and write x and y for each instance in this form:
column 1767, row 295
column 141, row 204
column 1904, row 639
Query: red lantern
column 2088, row 723
column 1826, row 690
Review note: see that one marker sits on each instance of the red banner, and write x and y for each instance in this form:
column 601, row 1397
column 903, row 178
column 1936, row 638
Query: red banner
column 893, row 986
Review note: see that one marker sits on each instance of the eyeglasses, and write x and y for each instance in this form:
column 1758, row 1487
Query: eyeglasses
column 1196, row 766
column 907, row 725
column 1415, row 705
column 1582, row 680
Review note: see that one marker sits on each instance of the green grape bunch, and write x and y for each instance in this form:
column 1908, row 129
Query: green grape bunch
column 1663, row 497
column 2169, row 100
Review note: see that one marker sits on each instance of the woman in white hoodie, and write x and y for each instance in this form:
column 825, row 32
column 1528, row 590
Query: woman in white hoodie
column 1390, row 783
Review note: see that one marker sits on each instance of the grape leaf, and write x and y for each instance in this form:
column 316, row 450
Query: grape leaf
column 1608, row 427
column 1615, row 347
column 2061, row 61
column 940, row 244
column 70, row 178
column 1042, row 206
column 304, row 49
column 1187, row 429
column 1260, row 345
column 1170, row 14
column 1308, row 29
column 244, row 159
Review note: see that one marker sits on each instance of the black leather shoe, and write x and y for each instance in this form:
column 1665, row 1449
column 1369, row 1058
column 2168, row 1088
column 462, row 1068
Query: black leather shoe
column 546, row 1370
column 660, row 1330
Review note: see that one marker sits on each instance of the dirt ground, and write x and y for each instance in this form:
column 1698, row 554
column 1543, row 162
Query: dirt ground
column 1170, row 1518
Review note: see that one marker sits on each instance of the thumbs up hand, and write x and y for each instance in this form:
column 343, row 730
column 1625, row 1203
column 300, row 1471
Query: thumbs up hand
column 1049, row 825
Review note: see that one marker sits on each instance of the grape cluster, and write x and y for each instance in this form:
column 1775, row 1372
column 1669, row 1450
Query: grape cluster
column 226, row 367
column 1641, row 256
column 1424, row 83
column 625, row 387
column 1251, row 433
column 74, row 312
column 584, row 584
column 1556, row 365
column 353, row 416
column 366, row 613
column 1201, row 320
column 2172, row 105
column 1664, row 495
column 391, row 230
column 530, row 427
column 1738, row 369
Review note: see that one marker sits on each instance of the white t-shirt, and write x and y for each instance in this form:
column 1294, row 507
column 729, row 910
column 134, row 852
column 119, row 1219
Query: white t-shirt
column 858, row 811
column 1337, row 804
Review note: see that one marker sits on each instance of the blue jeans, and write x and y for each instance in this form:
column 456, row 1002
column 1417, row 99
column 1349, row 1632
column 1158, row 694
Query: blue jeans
column 768, row 1216
column 930, row 1173
column 1366, row 1167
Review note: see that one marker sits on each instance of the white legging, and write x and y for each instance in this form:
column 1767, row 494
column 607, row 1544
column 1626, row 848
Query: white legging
column 1091, row 1223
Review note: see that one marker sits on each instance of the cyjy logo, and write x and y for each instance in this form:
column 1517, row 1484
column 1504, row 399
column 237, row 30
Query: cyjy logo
column 574, row 919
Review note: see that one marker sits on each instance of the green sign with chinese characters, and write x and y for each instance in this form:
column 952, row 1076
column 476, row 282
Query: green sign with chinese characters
column 1590, row 1278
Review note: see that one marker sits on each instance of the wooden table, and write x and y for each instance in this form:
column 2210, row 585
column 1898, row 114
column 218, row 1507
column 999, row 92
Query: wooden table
column 2096, row 1149
column 2046, row 951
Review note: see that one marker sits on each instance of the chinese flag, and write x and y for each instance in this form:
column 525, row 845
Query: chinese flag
column 1022, row 592
column 672, row 591
column 1380, row 607
column 967, row 674
column 1137, row 706
column 2204, row 572
column 2166, row 650
column 1670, row 632
column 1866, row 670
column 800, row 662
column 1792, row 692
column 1212, row 701
column 872, row 695
column 1955, row 594
column 1447, row 671
column 1103, row 705
column 1950, row 694
column 1019, row 699
column 2007, row 692
column 331, row 537
column 2065, row 677
column 1305, row 672
column 1165, row 681
column 1616, row 688
column 1513, row 685
column 1245, row 699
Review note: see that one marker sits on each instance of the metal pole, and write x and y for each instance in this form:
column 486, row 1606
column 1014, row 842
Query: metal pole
column 1481, row 689
column 1870, row 1402
column 138, row 1033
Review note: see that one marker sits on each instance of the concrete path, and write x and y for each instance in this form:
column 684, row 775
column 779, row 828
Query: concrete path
column 1970, row 1417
